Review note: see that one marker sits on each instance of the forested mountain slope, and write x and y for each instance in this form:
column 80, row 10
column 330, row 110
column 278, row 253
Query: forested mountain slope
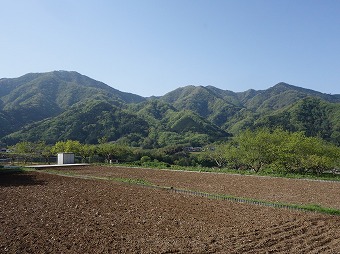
column 37, row 96
column 63, row 105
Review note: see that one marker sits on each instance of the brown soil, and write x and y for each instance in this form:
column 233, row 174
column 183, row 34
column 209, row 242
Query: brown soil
column 295, row 191
column 41, row 213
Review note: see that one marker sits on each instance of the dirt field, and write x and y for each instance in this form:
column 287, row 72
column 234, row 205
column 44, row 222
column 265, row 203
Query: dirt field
column 295, row 191
column 41, row 213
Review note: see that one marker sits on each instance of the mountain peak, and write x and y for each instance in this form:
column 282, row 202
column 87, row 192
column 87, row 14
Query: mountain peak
column 283, row 85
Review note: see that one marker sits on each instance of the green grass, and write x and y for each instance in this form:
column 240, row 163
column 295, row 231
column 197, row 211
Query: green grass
column 131, row 181
column 304, row 207
column 56, row 172
column 4, row 170
column 319, row 209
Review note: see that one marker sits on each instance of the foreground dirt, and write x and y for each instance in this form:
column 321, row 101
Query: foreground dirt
column 41, row 213
column 295, row 191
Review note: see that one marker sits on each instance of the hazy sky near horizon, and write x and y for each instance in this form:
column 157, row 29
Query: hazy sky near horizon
column 151, row 47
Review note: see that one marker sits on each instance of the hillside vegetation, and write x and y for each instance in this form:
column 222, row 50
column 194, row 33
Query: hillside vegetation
column 60, row 105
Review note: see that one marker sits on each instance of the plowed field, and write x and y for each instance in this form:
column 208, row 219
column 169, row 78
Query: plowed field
column 295, row 191
column 43, row 213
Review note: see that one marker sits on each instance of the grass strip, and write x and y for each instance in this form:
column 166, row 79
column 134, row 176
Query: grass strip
column 304, row 207
column 137, row 181
column 5, row 170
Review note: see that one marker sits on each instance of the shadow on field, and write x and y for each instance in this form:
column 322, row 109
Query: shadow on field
column 18, row 177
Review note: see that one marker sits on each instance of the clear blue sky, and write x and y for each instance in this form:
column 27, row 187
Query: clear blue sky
column 151, row 47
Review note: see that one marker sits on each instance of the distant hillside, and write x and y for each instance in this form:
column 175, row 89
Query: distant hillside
column 63, row 105
column 87, row 122
column 283, row 95
column 232, row 111
column 61, row 88
column 37, row 96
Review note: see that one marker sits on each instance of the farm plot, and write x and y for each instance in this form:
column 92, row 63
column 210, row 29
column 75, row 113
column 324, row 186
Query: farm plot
column 42, row 213
column 296, row 191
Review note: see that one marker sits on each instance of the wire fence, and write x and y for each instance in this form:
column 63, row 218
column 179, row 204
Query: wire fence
column 226, row 198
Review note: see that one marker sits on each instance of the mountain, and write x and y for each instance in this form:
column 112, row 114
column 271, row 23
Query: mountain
column 226, row 108
column 282, row 95
column 59, row 88
column 63, row 105
column 37, row 96
column 87, row 122
column 202, row 100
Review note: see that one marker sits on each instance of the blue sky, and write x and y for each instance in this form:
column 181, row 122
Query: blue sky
column 151, row 47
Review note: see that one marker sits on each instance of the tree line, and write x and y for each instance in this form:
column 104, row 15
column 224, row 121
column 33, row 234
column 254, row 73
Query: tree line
column 275, row 150
column 28, row 151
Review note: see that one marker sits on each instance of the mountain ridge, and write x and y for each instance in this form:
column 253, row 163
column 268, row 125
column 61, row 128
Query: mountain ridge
column 34, row 104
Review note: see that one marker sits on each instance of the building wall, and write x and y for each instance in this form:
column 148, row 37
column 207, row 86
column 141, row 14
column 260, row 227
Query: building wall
column 65, row 158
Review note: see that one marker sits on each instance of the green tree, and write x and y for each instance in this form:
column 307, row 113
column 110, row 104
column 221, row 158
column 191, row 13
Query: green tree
column 257, row 149
column 145, row 159
column 44, row 150
column 279, row 150
column 218, row 153
column 86, row 151
column 29, row 150
column 113, row 151
column 24, row 149
column 319, row 155
column 69, row 146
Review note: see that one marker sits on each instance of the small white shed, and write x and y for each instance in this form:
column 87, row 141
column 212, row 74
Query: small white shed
column 65, row 158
